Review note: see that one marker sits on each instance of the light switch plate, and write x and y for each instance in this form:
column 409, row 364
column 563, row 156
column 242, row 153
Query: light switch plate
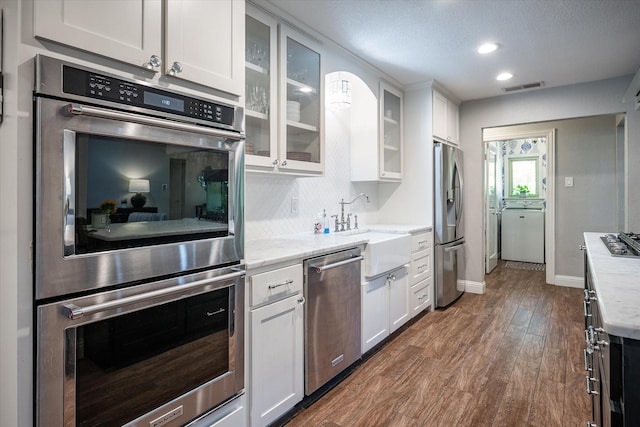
column 568, row 181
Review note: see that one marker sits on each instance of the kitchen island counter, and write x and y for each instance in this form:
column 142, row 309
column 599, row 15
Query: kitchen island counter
column 617, row 283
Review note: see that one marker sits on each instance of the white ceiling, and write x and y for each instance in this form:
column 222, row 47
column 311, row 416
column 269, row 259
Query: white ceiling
column 560, row 42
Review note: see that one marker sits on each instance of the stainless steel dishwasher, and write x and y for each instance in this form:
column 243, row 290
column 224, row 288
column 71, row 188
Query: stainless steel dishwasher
column 332, row 316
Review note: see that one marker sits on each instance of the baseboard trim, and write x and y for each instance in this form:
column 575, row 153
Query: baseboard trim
column 569, row 281
column 472, row 287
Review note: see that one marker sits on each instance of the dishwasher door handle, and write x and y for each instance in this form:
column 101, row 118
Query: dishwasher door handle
column 321, row 268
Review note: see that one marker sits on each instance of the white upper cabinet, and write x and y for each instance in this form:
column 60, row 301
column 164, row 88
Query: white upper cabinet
column 261, row 89
column 205, row 43
column 453, row 125
column 439, row 115
column 376, row 132
column 445, row 119
column 284, row 98
column 301, row 104
column 127, row 30
column 390, row 133
column 132, row 31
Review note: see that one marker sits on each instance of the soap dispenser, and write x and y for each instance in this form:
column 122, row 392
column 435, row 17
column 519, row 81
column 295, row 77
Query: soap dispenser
column 325, row 221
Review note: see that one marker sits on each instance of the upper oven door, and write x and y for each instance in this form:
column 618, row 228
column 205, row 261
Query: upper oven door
column 122, row 197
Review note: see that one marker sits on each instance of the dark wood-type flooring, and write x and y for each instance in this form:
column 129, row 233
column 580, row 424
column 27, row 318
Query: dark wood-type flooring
column 510, row 357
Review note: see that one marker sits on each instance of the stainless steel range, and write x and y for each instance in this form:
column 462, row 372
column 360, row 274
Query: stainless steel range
column 623, row 244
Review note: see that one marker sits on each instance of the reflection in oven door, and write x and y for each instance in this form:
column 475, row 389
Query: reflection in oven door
column 131, row 356
column 126, row 191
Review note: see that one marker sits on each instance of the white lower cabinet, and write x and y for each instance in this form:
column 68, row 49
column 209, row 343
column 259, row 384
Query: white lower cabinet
column 421, row 279
column 398, row 299
column 385, row 306
column 375, row 312
column 276, row 345
column 420, row 297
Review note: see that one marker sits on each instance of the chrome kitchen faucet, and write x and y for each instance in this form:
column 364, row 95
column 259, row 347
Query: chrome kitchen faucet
column 342, row 221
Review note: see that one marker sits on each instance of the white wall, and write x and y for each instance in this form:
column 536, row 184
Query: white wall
column 16, row 401
column 588, row 99
column 585, row 149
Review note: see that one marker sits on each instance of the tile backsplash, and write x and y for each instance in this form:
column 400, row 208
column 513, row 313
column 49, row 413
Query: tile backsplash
column 268, row 196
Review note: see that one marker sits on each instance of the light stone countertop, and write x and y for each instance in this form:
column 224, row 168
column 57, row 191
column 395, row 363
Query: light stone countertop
column 264, row 252
column 617, row 283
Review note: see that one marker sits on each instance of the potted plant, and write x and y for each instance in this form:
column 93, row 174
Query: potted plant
column 521, row 190
column 102, row 217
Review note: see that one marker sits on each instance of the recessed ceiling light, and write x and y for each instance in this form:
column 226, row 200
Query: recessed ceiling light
column 504, row 76
column 487, row 48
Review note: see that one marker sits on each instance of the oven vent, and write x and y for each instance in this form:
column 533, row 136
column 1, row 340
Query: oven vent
column 523, row 87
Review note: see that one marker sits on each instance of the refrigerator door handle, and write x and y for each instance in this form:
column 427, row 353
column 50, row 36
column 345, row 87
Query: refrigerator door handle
column 454, row 248
column 461, row 195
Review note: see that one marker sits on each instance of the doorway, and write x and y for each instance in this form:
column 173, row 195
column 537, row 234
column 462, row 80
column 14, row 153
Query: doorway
column 506, row 159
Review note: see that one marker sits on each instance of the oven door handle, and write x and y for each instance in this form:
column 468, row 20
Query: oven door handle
column 74, row 312
column 84, row 110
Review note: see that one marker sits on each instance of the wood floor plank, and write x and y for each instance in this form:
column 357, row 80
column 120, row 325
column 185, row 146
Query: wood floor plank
column 401, row 420
column 532, row 349
column 485, row 403
column 449, row 409
column 522, row 317
column 548, row 404
column 553, row 366
column 517, row 401
column 539, row 325
column 509, row 357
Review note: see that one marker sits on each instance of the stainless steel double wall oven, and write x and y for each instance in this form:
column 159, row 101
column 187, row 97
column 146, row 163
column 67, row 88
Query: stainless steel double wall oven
column 139, row 275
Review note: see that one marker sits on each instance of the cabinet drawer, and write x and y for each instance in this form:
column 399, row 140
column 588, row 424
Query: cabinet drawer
column 420, row 297
column 276, row 284
column 420, row 266
column 420, row 242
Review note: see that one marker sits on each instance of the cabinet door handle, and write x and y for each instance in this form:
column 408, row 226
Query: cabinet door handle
column 154, row 62
column 213, row 313
column 422, row 267
column 588, row 296
column 587, row 355
column 586, row 309
column 301, row 300
column 285, row 283
column 176, row 68
column 589, row 389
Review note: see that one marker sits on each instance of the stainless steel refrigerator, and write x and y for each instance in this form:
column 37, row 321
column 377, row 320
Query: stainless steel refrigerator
column 447, row 219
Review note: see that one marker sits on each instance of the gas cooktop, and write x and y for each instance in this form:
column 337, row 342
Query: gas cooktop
column 623, row 244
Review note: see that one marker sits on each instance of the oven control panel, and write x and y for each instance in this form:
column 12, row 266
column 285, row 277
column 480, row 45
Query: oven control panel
column 99, row 86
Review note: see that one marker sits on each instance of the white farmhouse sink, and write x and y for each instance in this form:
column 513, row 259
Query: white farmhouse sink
column 351, row 232
column 385, row 252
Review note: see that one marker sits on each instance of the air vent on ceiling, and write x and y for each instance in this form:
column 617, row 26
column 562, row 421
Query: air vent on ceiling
column 523, row 87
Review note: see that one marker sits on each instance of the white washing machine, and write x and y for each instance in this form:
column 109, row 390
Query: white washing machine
column 523, row 230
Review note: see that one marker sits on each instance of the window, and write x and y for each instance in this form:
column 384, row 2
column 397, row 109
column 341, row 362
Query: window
column 523, row 175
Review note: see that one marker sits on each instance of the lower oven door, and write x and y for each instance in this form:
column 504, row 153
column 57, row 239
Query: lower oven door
column 160, row 353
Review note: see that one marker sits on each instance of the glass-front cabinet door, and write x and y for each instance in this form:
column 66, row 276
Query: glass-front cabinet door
column 261, row 82
column 390, row 132
column 301, row 104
